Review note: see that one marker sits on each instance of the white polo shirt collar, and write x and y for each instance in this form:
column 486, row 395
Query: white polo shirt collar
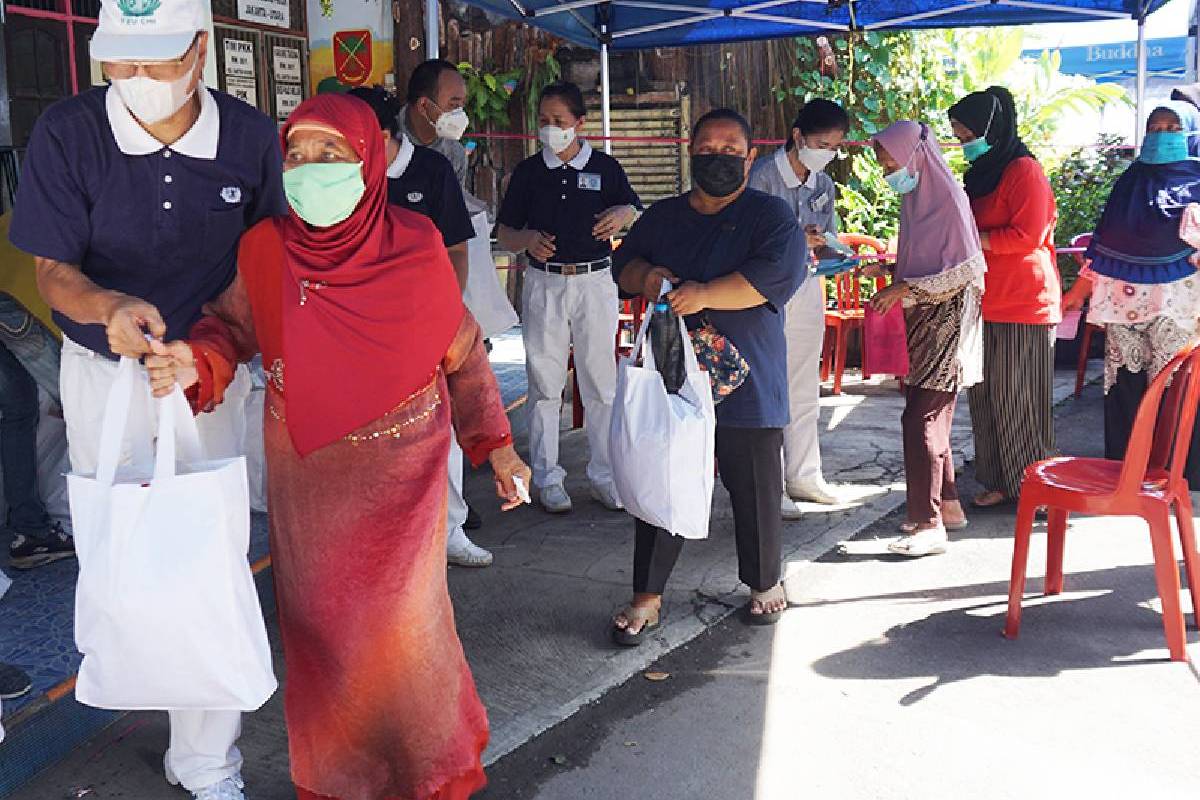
column 789, row 175
column 200, row 141
column 578, row 162
column 400, row 164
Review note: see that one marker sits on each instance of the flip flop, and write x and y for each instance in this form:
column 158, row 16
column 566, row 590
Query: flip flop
column 1003, row 501
column 777, row 592
column 649, row 617
column 931, row 542
column 909, row 528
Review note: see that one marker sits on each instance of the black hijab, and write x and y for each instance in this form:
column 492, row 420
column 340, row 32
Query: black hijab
column 993, row 115
column 1188, row 93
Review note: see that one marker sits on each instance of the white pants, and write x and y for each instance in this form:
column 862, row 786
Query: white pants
column 202, row 749
column 557, row 312
column 804, row 327
column 456, row 506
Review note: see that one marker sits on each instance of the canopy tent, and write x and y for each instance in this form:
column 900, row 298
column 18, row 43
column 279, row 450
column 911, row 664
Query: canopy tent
column 640, row 24
column 1117, row 61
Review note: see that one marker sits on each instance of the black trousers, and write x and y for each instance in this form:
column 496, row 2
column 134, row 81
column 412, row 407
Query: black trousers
column 749, row 464
column 1120, row 410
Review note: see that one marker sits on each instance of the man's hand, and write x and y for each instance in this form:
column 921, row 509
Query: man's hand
column 889, row 296
column 169, row 364
column 540, row 245
column 816, row 239
column 127, row 321
column 652, row 283
column 873, row 271
column 690, row 298
column 610, row 221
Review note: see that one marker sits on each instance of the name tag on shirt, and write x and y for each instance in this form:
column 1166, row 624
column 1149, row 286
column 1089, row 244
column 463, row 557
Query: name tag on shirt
column 819, row 203
column 589, row 181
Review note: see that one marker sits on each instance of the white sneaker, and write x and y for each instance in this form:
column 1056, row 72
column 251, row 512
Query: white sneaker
column 228, row 789
column 931, row 542
column 813, row 490
column 462, row 552
column 790, row 511
column 606, row 495
column 554, row 498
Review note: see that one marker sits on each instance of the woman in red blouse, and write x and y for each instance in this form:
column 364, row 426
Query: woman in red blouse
column 1015, row 211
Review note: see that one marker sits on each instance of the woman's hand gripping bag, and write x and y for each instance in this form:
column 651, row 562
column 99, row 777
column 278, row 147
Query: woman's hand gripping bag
column 661, row 444
column 166, row 612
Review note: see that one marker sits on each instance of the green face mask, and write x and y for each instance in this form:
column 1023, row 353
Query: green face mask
column 324, row 194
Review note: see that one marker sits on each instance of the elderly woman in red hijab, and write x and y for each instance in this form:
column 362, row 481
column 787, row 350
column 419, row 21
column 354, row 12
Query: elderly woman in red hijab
column 939, row 277
column 354, row 306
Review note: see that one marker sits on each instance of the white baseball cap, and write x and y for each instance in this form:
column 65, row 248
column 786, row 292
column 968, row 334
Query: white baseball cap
column 147, row 30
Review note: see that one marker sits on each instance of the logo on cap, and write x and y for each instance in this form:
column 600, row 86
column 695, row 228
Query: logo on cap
column 138, row 8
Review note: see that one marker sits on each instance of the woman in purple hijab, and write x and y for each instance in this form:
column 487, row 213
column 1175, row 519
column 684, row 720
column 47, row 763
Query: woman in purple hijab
column 939, row 282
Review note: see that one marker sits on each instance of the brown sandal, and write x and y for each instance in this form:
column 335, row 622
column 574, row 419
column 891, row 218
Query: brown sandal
column 649, row 617
column 775, row 593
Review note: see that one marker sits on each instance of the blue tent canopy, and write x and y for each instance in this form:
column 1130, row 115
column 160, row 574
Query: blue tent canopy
column 639, row 24
column 1117, row 61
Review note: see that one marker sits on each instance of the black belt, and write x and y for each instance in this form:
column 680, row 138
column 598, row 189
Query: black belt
column 579, row 268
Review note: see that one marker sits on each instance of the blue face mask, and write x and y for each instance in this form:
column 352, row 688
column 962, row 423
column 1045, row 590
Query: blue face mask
column 1164, row 147
column 902, row 180
column 976, row 149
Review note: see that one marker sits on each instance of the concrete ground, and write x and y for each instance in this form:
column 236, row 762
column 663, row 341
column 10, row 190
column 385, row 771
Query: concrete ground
column 902, row 657
column 889, row 680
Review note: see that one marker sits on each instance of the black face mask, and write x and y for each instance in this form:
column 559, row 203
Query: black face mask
column 719, row 174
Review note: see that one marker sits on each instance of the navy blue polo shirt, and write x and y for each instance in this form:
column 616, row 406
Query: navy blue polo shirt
column 160, row 224
column 563, row 199
column 756, row 235
column 422, row 180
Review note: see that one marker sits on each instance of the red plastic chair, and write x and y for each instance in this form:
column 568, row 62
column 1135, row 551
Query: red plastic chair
column 1083, row 240
column 1148, row 484
column 847, row 318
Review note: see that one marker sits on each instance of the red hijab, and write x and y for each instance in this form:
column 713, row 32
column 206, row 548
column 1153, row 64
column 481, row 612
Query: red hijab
column 381, row 306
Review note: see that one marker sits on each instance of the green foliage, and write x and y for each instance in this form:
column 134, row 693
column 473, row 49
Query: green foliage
column 542, row 70
column 488, row 95
column 1082, row 182
column 885, row 77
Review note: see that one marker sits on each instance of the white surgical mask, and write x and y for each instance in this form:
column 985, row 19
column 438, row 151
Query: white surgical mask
column 814, row 159
column 152, row 101
column 556, row 138
column 452, row 124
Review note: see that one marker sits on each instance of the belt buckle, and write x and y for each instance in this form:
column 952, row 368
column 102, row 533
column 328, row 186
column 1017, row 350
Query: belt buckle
column 569, row 270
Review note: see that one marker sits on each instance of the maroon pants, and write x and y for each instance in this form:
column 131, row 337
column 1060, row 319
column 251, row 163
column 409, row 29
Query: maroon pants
column 928, row 460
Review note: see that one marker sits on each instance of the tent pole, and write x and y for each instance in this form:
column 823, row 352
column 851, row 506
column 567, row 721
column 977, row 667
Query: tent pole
column 431, row 28
column 1139, row 123
column 605, row 97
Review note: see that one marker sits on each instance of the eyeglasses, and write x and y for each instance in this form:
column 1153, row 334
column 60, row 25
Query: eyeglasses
column 156, row 70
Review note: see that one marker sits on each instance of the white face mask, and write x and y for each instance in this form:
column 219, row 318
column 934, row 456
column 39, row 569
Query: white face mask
column 452, row 124
column 152, row 101
column 814, row 159
column 555, row 138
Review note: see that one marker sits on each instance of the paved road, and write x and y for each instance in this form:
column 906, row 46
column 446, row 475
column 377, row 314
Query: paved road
column 889, row 680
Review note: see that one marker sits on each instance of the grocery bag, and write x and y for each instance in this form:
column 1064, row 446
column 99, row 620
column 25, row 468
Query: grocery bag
column 662, row 445
column 885, row 343
column 483, row 296
column 166, row 612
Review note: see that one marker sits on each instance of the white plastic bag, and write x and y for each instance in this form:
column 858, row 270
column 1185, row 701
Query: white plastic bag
column 483, row 296
column 166, row 613
column 662, row 445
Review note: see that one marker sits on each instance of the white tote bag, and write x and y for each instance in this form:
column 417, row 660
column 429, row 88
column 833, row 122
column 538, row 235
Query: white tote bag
column 662, row 445
column 483, row 296
column 166, row 613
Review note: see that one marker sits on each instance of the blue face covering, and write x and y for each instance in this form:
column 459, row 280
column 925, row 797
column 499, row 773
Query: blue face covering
column 1164, row 147
column 976, row 149
column 902, row 180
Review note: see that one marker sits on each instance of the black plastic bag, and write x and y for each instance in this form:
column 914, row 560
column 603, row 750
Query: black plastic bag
column 666, row 343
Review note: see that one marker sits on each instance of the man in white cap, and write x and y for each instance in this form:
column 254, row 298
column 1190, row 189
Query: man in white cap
column 133, row 198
